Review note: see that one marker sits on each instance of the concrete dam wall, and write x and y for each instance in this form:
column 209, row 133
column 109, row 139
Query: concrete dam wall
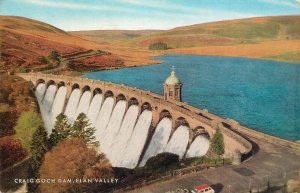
column 132, row 125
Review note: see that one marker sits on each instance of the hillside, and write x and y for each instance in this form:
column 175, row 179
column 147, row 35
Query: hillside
column 265, row 37
column 113, row 36
column 26, row 45
column 274, row 37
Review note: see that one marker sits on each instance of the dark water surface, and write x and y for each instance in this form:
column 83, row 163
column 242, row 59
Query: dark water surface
column 263, row 95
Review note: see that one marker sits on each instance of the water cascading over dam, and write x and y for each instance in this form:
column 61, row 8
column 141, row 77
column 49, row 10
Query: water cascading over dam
column 121, row 129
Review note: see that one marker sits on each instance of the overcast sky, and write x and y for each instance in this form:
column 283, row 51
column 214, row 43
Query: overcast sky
column 142, row 14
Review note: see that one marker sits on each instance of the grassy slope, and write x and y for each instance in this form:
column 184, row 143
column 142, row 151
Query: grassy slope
column 111, row 36
column 275, row 37
column 24, row 41
column 266, row 37
column 252, row 30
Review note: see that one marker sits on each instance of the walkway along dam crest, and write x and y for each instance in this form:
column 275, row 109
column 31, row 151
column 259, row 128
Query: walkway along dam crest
column 137, row 122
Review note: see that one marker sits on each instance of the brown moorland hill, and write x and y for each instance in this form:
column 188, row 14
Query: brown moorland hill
column 272, row 37
column 27, row 43
column 240, row 31
column 113, row 36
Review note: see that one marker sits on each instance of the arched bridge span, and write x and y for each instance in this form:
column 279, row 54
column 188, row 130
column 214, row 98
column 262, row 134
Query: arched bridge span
column 199, row 121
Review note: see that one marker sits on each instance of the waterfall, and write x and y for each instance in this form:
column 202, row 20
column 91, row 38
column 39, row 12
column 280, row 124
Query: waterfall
column 124, row 134
column 45, row 99
column 103, row 118
column 199, row 147
column 113, row 128
column 159, row 140
column 137, row 141
column 179, row 141
column 84, row 103
column 58, row 104
column 40, row 92
column 71, row 108
column 49, row 97
column 94, row 109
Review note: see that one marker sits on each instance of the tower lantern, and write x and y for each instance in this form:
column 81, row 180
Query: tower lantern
column 172, row 87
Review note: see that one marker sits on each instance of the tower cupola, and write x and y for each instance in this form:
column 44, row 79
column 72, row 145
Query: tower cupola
column 172, row 87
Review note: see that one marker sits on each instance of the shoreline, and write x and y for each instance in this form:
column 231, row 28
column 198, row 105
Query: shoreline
column 182, row 54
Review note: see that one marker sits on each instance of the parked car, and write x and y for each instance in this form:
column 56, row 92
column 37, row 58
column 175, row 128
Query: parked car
column 204, row 188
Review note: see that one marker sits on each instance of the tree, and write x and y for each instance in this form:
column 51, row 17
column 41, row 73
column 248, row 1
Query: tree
column 80, row 162
column 43, row 60
column 158, row 46
column 60, row 131
column 217, row 142
column 81, row 128
column 162, row 160
column 54, row 55
column 38, row 148
column 11, row 151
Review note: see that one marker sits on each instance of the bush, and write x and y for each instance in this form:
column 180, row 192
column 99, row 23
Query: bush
column 43, row 60
column 27, row 123
column 11, row 151
column 158, row 46
column 7, row 123
column 162, row 161
column 54, row 55
column 16, row 92
column 80, row 162
column 217, row 143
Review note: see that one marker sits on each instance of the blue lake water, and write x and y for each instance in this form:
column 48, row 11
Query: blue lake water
column 261, row 94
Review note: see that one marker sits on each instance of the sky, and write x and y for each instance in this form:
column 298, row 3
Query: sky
column 73, row 15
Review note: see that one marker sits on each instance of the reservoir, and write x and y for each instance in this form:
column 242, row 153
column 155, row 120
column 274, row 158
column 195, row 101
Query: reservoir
column 261, row 94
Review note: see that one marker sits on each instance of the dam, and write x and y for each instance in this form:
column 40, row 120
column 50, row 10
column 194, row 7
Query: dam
column 133, row 125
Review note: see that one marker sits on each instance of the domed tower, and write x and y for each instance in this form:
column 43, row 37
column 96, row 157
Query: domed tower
column 172, row 87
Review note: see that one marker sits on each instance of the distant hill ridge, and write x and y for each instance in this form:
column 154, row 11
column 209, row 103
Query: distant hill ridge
column 241, row 31
column 22, row 23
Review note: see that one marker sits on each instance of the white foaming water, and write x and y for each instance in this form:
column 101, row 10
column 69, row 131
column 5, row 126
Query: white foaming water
column 159, row 140
column 122, row 138
column 179, row 141
column 58, row 104
column 104, row 117
column 94, row 109
column 71, row 108
column 84, row 103
column 49, row 97
column 40, row 91
column 40, row 94
column 137, row 141
column 199, row 147
column 113, row 128
column 124, row 134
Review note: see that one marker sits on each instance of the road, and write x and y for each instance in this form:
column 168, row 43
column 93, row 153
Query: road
column 272, row 163
column 64, row 61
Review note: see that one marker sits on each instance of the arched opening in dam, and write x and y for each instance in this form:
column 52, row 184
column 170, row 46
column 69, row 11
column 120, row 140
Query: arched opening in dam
column 146, row 106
